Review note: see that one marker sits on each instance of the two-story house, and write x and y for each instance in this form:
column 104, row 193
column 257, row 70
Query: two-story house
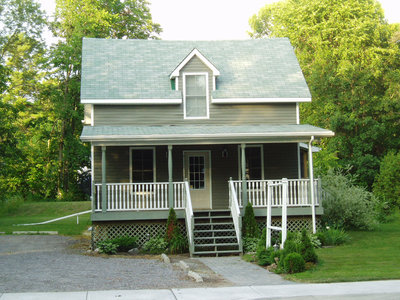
column 201, row 126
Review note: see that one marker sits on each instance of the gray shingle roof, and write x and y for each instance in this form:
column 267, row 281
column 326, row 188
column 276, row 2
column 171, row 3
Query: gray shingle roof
column 140, row 69
column 195, row 133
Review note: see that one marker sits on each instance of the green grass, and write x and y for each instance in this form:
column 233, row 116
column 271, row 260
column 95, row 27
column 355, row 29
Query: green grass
column 34, row 212
column 370, row 255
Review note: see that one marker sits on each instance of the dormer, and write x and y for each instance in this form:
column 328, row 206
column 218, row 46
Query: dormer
column 195, row 76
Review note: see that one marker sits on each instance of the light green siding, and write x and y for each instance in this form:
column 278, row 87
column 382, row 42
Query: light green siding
column 173, row 114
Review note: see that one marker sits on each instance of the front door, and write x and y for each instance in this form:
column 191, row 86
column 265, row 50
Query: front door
column 197, row 172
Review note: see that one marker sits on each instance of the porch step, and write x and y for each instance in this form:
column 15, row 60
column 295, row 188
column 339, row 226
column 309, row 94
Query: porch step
column 214, row 233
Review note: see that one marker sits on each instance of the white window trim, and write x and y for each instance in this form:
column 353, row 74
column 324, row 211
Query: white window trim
column 92, row 116
column 184, row 95
column 175, row 73
column 176, row 83
column 130, row 161
column 261, row 146
column 297, row 113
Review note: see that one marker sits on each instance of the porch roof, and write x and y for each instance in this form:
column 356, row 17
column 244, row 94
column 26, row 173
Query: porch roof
column 200, row 134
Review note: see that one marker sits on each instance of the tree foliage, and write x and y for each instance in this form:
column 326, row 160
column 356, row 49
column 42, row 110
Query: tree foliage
column 351, row 60
column 387, row 183
column 40, row 110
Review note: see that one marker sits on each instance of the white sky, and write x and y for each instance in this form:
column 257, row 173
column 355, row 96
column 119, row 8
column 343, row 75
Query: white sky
column 214, row 19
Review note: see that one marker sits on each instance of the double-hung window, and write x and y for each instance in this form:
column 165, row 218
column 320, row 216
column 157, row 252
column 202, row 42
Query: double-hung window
column 196, row 96
column 142, row 165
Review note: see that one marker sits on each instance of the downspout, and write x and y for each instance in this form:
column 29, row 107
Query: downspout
column 311, row 172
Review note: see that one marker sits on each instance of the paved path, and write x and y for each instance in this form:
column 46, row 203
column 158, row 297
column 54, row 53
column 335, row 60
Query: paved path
column 242, row 273
column 371, row 290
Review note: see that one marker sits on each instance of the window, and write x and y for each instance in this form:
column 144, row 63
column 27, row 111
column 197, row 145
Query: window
column 196, row 172
column 196, row 104
column 254, row 163
column 142, row 165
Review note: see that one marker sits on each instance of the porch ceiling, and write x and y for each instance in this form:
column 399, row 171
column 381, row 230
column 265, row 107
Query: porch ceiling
column 200, row 134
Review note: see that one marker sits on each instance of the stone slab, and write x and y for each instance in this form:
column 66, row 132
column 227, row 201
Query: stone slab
column 131, row 294
column 242, row 273
column 45, row 296
column 36, row 232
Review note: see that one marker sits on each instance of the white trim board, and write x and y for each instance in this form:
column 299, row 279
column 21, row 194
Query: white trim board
column 258, row 100
column 132, row 101
column 175, row 72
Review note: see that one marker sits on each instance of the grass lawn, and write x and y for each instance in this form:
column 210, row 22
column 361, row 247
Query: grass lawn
column 371, row 255
column 35, row 212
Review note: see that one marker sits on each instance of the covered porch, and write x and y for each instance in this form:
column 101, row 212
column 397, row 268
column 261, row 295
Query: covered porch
column 138, row 173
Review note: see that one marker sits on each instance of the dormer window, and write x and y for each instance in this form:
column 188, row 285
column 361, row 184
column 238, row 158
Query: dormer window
column 195, row 94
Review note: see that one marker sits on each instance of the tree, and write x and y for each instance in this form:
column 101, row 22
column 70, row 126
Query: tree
column 21, row 61
column 350, row 58
column 75, row 19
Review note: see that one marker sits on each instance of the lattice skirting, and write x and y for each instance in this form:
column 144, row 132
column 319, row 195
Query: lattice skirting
column 293, row 223
column 144, row 230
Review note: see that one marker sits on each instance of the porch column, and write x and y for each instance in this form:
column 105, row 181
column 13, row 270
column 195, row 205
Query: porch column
column 311, row 172
column 92, row 184
column 103, row 180
column 170, row 183
column 244, row 181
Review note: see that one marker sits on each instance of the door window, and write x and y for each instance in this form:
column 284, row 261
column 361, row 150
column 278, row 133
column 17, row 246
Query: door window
column 196, row 172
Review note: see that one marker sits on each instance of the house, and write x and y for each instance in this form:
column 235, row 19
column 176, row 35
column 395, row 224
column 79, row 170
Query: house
column 201, row 126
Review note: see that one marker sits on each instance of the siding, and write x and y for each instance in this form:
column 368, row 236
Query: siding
column 280, row 160
column 173, row 114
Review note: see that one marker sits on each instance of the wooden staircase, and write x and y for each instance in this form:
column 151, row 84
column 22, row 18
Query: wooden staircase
column 214, row 234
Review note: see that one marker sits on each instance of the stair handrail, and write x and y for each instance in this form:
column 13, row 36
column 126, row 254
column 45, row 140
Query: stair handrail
column 235, row 212
column 189, row 218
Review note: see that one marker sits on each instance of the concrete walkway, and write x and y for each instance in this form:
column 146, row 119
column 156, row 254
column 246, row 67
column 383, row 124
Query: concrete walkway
column 241, row 273
column 388, row 290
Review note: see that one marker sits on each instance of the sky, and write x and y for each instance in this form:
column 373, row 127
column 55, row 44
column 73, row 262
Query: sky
column 214, row 19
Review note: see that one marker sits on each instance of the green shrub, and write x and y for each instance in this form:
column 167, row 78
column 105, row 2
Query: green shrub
column 306, row 248
column 264, row 256
column 250, row 227
column 294, row 263
column 250, row 244
column 178, row 244
column 276, row 254
column 172, row 226
column 387, row 184
column 107, row 247
column 347, row 205
column 125, row 243
column 333, row 237
column 156, row 245
column 290, row 246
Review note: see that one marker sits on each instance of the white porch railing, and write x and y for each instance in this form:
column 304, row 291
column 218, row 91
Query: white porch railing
column 189, row 218
column 298, row 192
column 235, row 212
column 139, row 196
